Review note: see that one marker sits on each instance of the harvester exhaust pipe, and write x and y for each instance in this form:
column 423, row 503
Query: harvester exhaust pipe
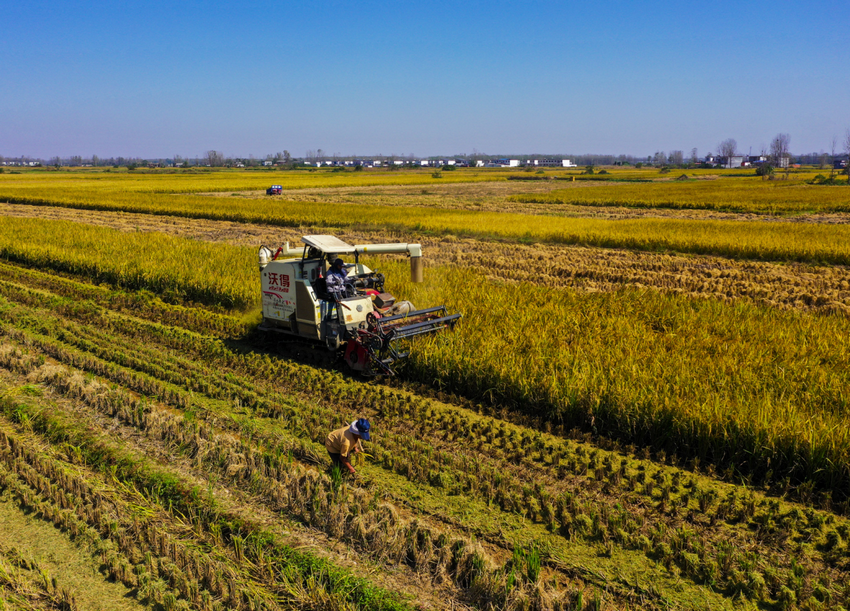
column 417, row 269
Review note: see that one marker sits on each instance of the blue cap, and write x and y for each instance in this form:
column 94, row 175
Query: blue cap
column 361, row 428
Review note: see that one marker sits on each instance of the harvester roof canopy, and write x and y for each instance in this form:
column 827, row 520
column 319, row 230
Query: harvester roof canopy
column 328, row 243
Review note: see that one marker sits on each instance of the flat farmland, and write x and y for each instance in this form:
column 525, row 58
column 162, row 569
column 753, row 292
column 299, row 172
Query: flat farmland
column 644, row 406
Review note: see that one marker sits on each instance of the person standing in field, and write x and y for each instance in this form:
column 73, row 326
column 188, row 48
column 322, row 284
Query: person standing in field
column 344, row 442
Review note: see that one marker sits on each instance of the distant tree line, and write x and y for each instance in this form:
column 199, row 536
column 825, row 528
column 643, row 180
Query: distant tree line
column 778, row 154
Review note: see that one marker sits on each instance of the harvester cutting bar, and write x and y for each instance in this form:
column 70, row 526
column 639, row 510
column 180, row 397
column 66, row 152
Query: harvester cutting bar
column 415, row 313
column 417, row 322
column 425, row 327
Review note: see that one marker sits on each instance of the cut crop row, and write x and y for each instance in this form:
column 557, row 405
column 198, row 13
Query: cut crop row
column 217, row 454
column 297, row 378
column 262, row 370
column 539, row 504
column 136, row 551
column 327, row 504
column 254, row 553
column 24, row 584
column 316, row 425
column 137, row 303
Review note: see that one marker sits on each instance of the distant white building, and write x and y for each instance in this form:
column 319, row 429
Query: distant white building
column 550, row 162
column 734, row 161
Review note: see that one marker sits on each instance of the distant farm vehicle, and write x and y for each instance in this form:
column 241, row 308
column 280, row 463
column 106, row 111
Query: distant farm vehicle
column 274, row 190
column 363, row 323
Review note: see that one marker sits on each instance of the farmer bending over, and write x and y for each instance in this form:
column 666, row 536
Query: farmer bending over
column 342, row 442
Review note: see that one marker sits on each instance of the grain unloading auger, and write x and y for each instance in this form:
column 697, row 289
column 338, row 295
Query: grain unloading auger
column 362, row 321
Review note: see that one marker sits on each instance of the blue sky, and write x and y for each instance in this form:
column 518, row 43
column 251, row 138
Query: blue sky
column 158, row 79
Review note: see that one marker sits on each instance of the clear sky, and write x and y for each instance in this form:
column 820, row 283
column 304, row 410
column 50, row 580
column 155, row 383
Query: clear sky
column 155, row 79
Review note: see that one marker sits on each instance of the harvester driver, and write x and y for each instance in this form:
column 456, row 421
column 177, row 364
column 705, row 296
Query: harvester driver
column 341, row 443
column 336, row 278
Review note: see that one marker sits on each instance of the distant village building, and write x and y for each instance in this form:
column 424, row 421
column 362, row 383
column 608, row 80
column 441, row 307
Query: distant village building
column 551, row 163
column 734, row 161
column 504, row 163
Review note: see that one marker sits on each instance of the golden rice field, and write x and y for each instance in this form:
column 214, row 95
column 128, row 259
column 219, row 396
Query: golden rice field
column 759, row 381
column 778, row 197
column 195, row 181
column 805, row 242
column 700, row 197
column 643, row 413
column 797, row 286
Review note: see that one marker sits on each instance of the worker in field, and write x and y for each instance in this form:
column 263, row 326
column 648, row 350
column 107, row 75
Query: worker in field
column 336, row 278
column 344, row 442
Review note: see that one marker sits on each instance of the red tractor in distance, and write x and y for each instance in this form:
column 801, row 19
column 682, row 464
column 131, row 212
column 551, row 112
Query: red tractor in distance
column 274, row 190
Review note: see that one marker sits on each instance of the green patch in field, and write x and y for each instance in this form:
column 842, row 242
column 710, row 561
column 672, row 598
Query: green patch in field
column 58, row 557
column 31, row 390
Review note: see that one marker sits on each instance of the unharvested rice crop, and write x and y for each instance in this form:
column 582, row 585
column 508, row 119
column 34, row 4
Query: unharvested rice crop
column 730, row 194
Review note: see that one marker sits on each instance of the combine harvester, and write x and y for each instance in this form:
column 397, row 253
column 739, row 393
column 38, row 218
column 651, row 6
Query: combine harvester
column 365, row 323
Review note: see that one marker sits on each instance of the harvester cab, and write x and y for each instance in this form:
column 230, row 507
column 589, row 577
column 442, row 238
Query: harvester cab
column 358, row 319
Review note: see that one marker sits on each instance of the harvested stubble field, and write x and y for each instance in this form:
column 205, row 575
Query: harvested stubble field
column 607, row 428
